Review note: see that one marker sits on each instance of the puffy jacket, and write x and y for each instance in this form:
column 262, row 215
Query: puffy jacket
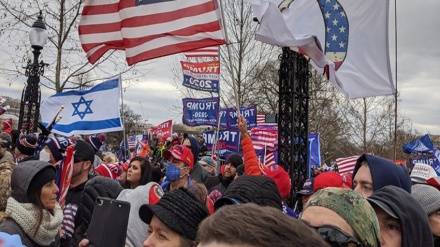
column 95, row 187
column 250, row 157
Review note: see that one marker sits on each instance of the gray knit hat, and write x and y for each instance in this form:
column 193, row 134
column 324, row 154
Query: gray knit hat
column 427, row 196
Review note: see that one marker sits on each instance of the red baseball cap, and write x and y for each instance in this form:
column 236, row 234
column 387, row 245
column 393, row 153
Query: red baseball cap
column 182, row 153
column 328, row 179
column 281, row 178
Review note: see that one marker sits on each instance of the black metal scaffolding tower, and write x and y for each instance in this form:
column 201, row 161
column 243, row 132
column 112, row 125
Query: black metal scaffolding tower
column 293, row 118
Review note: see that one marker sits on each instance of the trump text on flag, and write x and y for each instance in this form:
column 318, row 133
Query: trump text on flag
column 201, row 76
column 228, row 140
column 164, row 129
column 248, row 112
column 198, row 112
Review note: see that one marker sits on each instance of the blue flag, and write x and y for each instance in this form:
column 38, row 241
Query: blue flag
column 423, row 145
column 85, row 111
column 198, row 112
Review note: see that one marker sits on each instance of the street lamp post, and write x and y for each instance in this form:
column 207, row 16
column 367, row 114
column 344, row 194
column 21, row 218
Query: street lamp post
column 31, row 95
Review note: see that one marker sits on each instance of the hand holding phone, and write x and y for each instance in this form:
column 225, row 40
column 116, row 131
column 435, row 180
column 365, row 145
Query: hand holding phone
column 108, row 227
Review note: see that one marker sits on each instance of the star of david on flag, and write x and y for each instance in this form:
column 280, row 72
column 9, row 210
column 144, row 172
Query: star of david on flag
column 78, row 104
column 85, row 112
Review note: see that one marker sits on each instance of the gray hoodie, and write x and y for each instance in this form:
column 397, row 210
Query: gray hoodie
column 137, row 230
column 414, row 221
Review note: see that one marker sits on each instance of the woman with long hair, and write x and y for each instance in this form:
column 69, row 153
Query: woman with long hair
column 32, row 211
column 139, row 172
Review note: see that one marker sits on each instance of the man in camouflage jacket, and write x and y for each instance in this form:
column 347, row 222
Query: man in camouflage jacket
column 7, row 164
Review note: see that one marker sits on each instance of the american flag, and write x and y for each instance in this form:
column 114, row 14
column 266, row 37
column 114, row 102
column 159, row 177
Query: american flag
column 211, row 51
column 261, row 119
column 267, row 119
column 336, row 38
column 132, row 142
column 148, row 29
column 64, row 175
column 346, row 165
column 265, row 138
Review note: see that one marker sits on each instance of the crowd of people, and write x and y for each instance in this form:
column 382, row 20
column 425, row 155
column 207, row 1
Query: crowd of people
column 181, row 197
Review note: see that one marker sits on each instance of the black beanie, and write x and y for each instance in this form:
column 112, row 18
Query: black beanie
column 260, row 190
column 179, row 210
column 235, row 160
column 44, row 176
column 240, row 170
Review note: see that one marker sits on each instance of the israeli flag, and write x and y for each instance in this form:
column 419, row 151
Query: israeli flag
column 85, row 111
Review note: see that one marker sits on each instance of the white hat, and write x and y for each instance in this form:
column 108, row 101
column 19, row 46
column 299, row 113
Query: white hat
column 422, row 172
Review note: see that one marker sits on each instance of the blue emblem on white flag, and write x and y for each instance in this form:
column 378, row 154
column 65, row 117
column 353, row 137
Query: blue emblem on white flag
column 85, row 111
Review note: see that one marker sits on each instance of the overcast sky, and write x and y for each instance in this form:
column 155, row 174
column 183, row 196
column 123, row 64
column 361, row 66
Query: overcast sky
column 418, row 80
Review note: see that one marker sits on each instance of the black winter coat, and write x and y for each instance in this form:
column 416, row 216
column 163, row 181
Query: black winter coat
column 98, row 186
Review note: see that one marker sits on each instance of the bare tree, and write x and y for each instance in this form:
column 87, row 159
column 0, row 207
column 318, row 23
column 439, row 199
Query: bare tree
column 68, row 67
column 251, row 60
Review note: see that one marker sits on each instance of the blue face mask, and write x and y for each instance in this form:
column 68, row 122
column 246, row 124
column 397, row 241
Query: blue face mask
column 172, row 173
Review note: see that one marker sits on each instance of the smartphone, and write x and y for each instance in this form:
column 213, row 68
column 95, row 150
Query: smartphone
column 108, row 227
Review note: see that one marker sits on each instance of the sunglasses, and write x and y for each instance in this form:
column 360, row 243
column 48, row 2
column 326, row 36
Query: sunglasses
column 336, row 237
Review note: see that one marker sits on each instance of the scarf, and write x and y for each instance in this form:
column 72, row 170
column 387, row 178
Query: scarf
column 26, row 215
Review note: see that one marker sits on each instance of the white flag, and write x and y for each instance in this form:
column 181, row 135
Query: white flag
column 347, row 40
column 85, row 111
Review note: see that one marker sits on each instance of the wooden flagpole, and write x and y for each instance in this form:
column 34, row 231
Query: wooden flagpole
column 123, row 122
column 395, row 94
column 234, row 86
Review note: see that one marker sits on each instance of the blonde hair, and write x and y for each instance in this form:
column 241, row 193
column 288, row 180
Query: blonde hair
column 110, row 159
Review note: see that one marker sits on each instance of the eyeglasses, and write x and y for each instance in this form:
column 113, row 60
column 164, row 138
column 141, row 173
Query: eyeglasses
column 336, row 238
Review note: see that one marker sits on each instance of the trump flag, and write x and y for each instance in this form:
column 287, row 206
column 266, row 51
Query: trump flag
column 347, row 40
column 85, row 111
column 148, row 29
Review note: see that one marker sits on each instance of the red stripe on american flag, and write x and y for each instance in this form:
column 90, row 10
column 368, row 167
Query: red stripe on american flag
column 346, row 165
column 165, row 50
column 265, row 139
column 101, row 9
column 189, row 31
column 211, row 51
column 261, row 119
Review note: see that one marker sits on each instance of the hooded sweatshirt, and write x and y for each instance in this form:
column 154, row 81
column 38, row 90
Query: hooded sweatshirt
column 384, row 172
column 137, row 230
column 198, row 173
column 23, row 216
column 414, row 222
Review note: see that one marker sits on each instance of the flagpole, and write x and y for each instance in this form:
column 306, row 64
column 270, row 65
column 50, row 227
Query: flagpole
column 237, row 105
column 124, row 150
column 395, row 95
